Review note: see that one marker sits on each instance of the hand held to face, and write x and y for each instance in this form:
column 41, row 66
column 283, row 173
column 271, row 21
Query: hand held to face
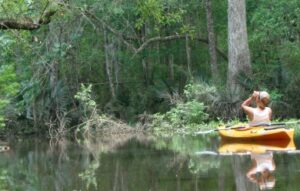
column 255, row 94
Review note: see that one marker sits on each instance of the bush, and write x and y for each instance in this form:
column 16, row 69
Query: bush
column 189, row 113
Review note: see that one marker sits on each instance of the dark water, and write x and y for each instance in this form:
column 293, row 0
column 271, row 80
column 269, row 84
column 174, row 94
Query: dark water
column 135, row 163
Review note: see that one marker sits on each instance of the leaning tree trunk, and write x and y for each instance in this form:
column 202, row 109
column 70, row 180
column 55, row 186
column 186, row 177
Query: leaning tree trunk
column 238, row 50
column 212, row 42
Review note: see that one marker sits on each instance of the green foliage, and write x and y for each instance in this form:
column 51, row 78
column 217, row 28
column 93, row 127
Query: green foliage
column 154, row 11
column 4, row 179
column 188, row 146
column 88, row 108
column 85, row 98
column 8, row 88
column 200, row 91
column 218, row 102
column 187, row 115
column 8, row 80
column 275, row 95
column 54, row 60
column 202, row 164
column 274, row 40
column 275, row 20
column 22, row 8
column 89, row 175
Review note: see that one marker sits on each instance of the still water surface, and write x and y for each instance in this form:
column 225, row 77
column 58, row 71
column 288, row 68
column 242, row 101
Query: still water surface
column 138, row 163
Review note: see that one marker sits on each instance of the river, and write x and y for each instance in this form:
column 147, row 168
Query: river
column 140, row 163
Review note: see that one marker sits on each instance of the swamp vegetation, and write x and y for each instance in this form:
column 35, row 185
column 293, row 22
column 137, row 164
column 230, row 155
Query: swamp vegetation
column 152, row 64
column 109, row 93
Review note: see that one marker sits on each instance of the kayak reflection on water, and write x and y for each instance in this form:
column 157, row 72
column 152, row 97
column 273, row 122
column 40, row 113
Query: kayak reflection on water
column 262, row 170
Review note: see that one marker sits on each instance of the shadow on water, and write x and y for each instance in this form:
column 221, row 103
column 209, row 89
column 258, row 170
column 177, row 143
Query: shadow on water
column 130, row 162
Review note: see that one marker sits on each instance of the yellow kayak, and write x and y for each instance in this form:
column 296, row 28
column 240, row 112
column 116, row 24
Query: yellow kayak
column 256, row 133
column 256, row 147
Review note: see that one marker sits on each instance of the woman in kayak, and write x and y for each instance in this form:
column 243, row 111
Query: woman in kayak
column 261, row 114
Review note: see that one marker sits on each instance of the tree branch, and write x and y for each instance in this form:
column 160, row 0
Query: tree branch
column 26, row 23
column 112, row 30
column 173, row 37
column 147, row 42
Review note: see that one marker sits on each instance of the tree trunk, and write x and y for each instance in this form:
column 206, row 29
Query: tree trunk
column 188, row 55
column 117, row 67
column 212, row 43
column 239, row 56
column 178, row 182
column 108, row 64
column 26, row 23
column 146, row 62
column 196, row 182
column 145, row 71
column 53, row 82
column 221, row 177
column 171, row 68
column 116, row 185
column 239, row 171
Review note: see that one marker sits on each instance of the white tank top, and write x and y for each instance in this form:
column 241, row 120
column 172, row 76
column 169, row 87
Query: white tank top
column 263, row 162
column 260, row 116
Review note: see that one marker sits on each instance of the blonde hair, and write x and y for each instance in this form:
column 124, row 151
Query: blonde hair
column 264, row 97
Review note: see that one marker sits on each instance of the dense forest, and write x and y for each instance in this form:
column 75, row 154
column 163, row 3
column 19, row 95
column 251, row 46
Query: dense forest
column 64, row 62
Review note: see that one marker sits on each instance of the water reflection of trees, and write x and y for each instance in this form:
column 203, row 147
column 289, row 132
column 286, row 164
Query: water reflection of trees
column 176, row 160
column 239, row 167
column 129, row 162
column 96, row 145
column 35, row 164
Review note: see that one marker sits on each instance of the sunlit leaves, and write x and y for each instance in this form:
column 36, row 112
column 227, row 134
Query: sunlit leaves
column 6, row 40
column 273, row 20
column 16, row 8
column 189, row 114
column 8, row 84
column 89, row 175
column 200, row 91
column 157, row 12
column 84, row 95
column 8, row 88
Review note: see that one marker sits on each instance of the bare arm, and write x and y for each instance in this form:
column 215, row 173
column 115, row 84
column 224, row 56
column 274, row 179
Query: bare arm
column 252, row 172
column 246, row 107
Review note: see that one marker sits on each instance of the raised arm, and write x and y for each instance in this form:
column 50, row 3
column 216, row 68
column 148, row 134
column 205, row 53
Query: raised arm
column 246, row 105
column 251, row 175
column 252, row 172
